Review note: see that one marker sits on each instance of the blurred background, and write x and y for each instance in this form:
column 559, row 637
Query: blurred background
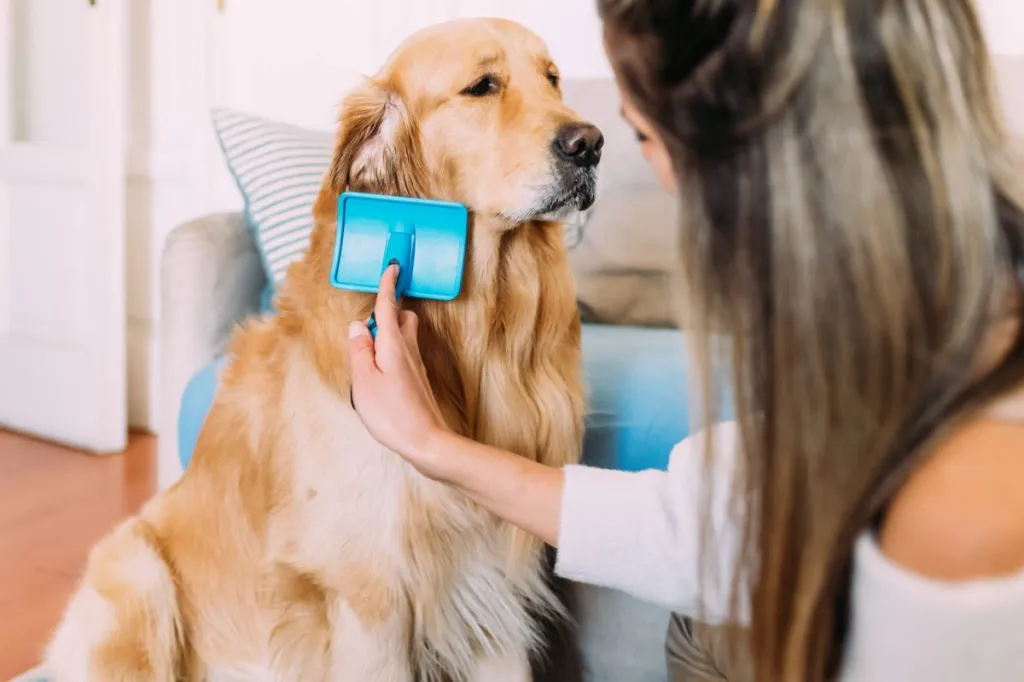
column 106, row 146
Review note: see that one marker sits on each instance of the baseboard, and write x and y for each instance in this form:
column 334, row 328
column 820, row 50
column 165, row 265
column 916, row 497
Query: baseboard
column 143, row 376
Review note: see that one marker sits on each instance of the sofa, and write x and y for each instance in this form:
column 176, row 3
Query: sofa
column 213, row 275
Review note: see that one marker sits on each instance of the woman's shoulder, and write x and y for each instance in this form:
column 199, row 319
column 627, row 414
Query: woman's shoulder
column 908, row 626
column 939, row 595
column 961, row 515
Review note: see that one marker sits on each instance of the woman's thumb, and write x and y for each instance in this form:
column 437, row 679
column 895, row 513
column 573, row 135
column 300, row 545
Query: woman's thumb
column 408, row 323
column 360, row 349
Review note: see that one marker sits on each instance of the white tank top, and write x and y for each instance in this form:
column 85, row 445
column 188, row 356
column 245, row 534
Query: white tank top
column 906, row 628
column 1010, row 408
column 638, row 532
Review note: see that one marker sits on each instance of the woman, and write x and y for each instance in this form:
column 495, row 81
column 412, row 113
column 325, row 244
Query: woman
column 855, row 222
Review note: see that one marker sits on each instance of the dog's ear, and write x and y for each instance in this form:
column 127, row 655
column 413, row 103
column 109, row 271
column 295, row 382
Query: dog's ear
column 377, row 148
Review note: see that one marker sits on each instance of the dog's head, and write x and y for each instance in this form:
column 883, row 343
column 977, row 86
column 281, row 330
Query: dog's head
column 469, row 111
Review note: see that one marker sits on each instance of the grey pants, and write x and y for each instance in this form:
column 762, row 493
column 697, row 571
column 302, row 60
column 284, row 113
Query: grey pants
column 698, row 652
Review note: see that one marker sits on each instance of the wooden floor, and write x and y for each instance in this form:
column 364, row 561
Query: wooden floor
column 54, row 504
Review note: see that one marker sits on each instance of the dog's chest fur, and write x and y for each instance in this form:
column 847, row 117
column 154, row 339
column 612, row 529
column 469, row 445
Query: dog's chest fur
column 401, row 551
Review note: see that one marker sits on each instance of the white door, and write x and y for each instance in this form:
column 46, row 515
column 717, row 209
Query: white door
column 62, row 234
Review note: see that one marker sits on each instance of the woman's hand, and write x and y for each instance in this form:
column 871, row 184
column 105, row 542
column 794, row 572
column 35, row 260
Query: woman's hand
column 390, row 390
column 391, row 393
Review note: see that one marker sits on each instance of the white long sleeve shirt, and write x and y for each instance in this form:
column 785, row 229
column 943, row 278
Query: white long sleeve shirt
column 640, row 533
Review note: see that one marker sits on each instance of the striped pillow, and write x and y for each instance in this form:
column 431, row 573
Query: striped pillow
column 278, row 169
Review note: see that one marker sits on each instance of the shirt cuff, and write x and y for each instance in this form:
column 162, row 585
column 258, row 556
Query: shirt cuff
column 599, row 524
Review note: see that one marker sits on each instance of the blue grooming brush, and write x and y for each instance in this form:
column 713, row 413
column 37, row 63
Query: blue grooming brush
column 425, row 237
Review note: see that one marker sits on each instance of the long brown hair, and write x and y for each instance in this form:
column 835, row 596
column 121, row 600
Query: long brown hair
column 852, row 218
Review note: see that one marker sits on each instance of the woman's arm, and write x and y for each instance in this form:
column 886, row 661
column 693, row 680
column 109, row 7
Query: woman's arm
column 635, row 532
column 391, row 393
column 521, row 491
column 641, row 532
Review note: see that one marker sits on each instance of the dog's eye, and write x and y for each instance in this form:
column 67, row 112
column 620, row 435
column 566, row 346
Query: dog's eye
column 553, row 79
column 482, row 87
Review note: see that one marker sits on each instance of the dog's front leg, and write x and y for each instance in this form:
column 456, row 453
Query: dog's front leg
column 514, row 667
column 368, row 649
column 560, row 658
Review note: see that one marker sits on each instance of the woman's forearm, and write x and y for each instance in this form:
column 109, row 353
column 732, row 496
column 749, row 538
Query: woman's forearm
column 523, row 492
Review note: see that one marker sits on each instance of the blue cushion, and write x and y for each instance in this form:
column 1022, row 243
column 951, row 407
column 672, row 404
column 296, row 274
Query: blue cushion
column 195, row 404
column 636, row 379
column 636, row 384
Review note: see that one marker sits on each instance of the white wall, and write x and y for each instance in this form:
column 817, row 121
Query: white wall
column 571, row 29
column 321, row 47
column 1004, row 25
column 1003, row 21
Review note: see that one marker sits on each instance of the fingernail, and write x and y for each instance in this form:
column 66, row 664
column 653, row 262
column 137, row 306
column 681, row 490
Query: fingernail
column 356, row 329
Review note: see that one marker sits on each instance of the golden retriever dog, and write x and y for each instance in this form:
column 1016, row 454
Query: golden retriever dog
column 295, row 547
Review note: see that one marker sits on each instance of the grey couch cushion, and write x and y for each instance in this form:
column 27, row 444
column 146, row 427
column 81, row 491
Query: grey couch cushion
column 623, row 639
column 626, row 252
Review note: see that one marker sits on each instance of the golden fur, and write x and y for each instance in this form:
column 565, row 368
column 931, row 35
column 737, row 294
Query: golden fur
column 294, row 547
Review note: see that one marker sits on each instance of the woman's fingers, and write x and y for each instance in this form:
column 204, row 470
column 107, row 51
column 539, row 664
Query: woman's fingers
column 361, row 355
column 386, row 308
column 409, row 325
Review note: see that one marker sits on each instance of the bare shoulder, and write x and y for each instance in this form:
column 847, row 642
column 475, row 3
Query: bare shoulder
column 961, row 515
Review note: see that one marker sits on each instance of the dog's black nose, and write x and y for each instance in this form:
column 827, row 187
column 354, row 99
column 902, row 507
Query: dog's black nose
column 579, row 143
